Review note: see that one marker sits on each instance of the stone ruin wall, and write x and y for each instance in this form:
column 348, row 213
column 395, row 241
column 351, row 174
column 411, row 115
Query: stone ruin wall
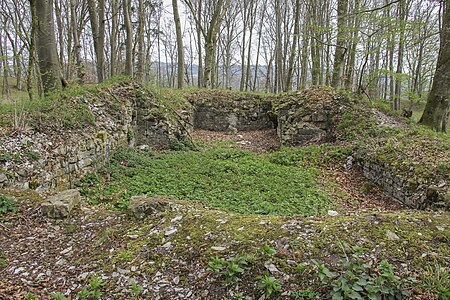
column 72, row 159
column 412, row 194
column 315, row 127
column 239, row 116
column 64, row 159
column 156, row 130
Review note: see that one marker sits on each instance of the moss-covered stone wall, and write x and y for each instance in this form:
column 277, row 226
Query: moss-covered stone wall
column 409, row 165
column 124, row 114
column 159, row 125
column 232, row 111
column 308, row 116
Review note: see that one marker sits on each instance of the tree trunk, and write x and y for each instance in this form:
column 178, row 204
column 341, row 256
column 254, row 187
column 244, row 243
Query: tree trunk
column 258, row 48
column 199, row 46
column 96, row 16
column 304, row 58
column 4, row 66
column 42, row 21
column 315, row 57
column 252, row 11
column 129, row 38
column 211, row 40
column 436, row 110
column 245, row 17
column 374, row 76
column 278, row 49
column 339, row 53
column 60, row 29
column 113, row 38
column 350, row 68
column 76, row 43
column 31, row 58
column 293, row 53
column 401, row 45
column 180, row 55
column 140, row 74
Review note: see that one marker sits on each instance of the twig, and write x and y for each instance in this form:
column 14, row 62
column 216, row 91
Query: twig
column 327, row 44
column 374, row 9
column 4, row 227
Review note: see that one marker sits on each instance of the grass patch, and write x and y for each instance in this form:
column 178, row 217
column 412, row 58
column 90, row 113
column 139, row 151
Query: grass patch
column 56, row 108
column 3, row 261
column 224, row 178
column 313, row 155
column 64, row 108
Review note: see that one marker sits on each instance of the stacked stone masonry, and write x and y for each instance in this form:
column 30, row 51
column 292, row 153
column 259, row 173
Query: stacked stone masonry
column 58, row 161
column 142, row 124
column 44, row 161
column 238, row 116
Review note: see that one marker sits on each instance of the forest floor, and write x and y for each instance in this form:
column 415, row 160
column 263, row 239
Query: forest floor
column 363, row 241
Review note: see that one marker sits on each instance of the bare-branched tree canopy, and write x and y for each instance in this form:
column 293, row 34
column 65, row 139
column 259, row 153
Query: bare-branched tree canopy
column 383, row 49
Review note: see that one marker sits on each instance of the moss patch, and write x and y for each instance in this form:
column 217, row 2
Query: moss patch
column 412, row 150
column 289, row 244
column 224, row 98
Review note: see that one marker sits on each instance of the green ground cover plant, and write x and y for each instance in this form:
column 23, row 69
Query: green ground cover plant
column 356, row 279
column 220, row 177
column 7, row 204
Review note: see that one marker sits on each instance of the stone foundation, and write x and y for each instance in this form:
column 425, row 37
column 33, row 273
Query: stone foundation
column 160, row 130
column 403, row 189
column 238, row 116
column 303, row 130
column 220, row 110
column 44, row 161
column 40, row 161
column 308, row 116
column 62, row 162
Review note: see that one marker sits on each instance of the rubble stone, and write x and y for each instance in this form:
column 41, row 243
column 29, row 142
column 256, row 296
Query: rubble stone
column 61, row 205
column 142, row 206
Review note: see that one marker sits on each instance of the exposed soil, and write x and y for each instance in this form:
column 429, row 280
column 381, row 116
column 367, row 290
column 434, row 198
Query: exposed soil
column 363, row 195
column 258, row 141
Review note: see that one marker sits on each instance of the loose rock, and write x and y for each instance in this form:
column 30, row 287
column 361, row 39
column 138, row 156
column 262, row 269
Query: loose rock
column 61, row 205
column 142, row 206
column 391, row 236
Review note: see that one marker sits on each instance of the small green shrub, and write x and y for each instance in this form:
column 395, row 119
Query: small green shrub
column 269, row 250
column 3, row 263
column 30, row 296
column 136, row 288
column 358, row 280
column 437, row 279
column 124, row 256
column 83, row 294
column 58, row 296
column 7, row 204
column 33, row 155
column 307, row 294
column 93, row 291
column 269, row 284
column 230, row 269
